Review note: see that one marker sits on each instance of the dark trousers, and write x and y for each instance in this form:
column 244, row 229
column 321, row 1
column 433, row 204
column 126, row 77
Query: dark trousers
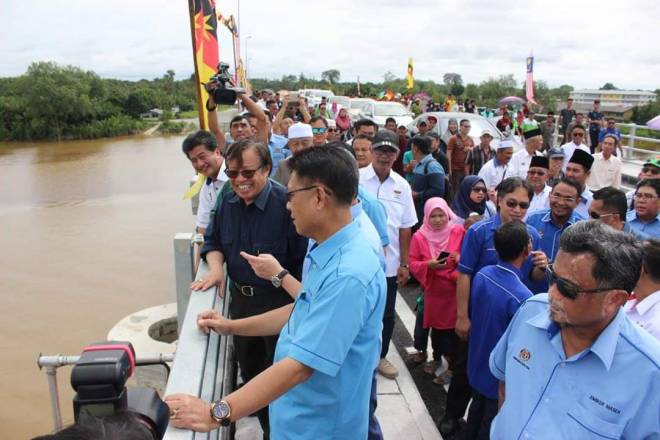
column 482, row 412
column 457, row 177
column 374, row 427
column 443, row 342
column 388, row 316
column 460, row 392
column 254, row 353
column 593, row 136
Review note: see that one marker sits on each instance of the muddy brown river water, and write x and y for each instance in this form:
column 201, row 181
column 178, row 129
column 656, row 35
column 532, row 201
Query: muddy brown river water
column 86, row 232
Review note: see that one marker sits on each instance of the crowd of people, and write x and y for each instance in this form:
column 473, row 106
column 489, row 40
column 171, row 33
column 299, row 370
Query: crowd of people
column 539, row 275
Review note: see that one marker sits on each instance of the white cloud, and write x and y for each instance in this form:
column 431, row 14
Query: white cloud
column 583, row 43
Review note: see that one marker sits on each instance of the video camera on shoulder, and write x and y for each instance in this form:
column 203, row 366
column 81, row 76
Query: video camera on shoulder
column 225, row 92
column 99, row 379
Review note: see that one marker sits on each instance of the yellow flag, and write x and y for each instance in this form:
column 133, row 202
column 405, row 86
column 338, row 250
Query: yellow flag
column 195, row 188
column 409, row 76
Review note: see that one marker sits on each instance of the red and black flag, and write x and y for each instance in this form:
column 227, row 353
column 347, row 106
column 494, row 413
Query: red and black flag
column 204, row 28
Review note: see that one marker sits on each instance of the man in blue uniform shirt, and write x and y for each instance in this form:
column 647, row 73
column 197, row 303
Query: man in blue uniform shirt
column 552, row 222
column 571, row 364
column 329, row 343
column 645, row 217
column 496, row 294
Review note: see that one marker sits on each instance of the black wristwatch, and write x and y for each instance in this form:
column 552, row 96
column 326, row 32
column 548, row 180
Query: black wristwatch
column 221, row 412
column 277, row 279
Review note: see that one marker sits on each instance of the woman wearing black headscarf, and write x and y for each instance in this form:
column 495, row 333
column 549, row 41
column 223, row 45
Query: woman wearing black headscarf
column 472, row 197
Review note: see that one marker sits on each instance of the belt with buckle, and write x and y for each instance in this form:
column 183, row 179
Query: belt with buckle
column 245, row 290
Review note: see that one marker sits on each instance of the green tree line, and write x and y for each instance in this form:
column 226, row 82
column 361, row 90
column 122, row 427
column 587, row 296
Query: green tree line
column 51, row 101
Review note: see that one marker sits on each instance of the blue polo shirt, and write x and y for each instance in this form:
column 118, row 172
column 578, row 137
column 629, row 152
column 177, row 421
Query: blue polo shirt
column 478, row 249
column 278, row 151
column 335, row 329
column 496, row 294
column 428, row 180
column 549, row 232
column 608, row 391
column 376, row 212
column 605, row 131
column 651, row 228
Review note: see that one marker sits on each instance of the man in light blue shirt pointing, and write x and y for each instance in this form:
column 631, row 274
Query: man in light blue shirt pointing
column 571, row 365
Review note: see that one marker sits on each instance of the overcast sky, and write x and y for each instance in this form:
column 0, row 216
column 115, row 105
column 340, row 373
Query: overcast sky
column 585, row 43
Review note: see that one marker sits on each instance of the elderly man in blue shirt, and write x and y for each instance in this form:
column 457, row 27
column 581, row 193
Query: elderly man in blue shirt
column 329, row 343
column 497, row 292
column 571, row 364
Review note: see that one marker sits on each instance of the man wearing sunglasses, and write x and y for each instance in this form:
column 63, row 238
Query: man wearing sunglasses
column 251, row 218
column 577, row 142
column 537, row 176
column 571, row 365
column 578, row 168
column 609, row 206
column 319, row 130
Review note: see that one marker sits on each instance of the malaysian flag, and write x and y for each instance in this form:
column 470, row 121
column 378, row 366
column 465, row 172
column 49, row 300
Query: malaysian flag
column 530, row 80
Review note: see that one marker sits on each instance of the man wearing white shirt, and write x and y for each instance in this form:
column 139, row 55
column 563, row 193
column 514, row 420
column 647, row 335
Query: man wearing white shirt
column 395, row 194
column 537, row 176
column 202, row 150
column 521, row 160
column 496, row 169
column 578, row 135
column 606, row 170
column 644, row 308
column 578, row 168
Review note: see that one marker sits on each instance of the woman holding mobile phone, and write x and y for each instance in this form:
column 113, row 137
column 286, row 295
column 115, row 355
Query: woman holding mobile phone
column 434, row 256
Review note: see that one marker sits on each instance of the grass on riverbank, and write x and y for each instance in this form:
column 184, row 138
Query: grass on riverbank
column 191, row 114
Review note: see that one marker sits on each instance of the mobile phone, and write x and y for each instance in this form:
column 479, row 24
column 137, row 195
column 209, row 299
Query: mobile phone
column 443, row 255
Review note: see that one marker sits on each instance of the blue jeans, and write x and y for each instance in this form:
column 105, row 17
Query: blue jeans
column 374, row 427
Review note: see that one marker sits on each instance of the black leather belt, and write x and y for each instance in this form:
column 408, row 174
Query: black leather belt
column 250, row 291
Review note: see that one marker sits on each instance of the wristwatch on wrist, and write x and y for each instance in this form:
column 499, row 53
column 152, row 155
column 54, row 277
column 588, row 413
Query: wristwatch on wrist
column 221, row 412
column 277, row 279
column 405, row 266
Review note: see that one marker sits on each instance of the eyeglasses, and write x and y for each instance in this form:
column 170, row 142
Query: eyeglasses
column 248, row 174
column 652, row 170
column 330, row 130
column 567, row 199
column 596, row 216
column 569, row 289
column 289, row 194
column 319, row 130
column 645, row 196
column 479, row 190
column 512, row 203
column 536, row 173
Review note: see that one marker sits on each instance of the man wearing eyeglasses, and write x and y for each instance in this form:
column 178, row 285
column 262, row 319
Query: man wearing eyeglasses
column 609, row 206
column 645, row 217
column 521, row 160
column 251, row 218
column 578, row 134
column 650, row 170
column 552, row 222
column 537, row 176
column 571, row 365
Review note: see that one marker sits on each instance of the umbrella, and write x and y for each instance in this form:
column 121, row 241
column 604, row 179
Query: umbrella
column 654, row 123
column 511, row 100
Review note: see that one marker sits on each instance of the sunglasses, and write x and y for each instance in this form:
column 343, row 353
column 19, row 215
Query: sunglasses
column 578, row 134
column 248, row 174
column 569, row 289
column 319, row 130
column 536, row 173
column 289, row 194
column 512, row 203
column 480, row 190
column 596, row 216
column 652, row 170
column 330, row 130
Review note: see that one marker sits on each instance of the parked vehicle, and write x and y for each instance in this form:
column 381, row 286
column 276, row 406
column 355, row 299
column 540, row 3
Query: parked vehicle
column 356, row 105
column 477, row 125
column 314, row 95
column 379, row 111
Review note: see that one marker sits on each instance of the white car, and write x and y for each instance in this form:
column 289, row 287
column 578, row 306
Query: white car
column 356, row 105
column 379, row 111
column 477, row 125
column 314, row 95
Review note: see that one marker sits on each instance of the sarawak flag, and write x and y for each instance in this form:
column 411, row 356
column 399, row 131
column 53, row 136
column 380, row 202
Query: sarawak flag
column 203, row 27
column 409, row 76
column 529, row 82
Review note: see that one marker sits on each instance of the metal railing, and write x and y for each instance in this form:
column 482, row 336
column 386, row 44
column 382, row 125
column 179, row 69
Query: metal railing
column 205, row 364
